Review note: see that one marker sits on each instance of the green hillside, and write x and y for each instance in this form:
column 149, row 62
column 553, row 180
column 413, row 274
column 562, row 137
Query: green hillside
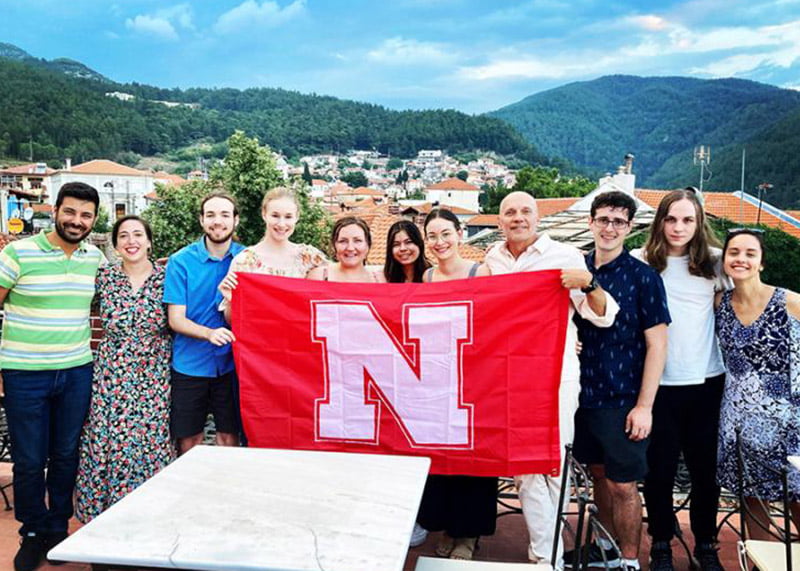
column 60, row 115
column 660, row 120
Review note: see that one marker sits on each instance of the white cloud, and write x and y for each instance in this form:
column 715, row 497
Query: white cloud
column 650, row 22
column 251, row 14
column 162, row 23
column 402, row 51
column 152, row 26
column 180, row 15
column 523, row 68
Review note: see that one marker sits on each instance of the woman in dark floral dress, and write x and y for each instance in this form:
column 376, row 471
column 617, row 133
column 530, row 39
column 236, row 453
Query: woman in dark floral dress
column 126, row 438
column 759, row 333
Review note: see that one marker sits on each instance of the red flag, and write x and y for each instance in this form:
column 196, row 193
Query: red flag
column 465, row 372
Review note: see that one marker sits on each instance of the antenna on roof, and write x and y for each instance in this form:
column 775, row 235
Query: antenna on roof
column 702, row 157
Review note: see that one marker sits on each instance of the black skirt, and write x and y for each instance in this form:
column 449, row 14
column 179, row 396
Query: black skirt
column 462, row 506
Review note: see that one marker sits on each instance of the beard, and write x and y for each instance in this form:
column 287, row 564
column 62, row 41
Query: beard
column 221, row 240
column 61, row 230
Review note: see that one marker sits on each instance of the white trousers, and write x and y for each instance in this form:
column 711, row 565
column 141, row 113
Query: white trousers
column 538, row 493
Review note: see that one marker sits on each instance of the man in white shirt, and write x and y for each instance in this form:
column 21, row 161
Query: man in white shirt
column 523, row 251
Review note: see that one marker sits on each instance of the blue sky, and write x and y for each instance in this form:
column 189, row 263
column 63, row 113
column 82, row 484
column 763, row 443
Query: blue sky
column 470, row 55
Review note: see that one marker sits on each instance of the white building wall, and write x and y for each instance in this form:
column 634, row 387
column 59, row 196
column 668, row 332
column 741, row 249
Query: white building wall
column 463, row 198
column 128, row 190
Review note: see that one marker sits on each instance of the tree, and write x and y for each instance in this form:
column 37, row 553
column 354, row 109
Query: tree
column 393, row 164
column 175, row 216
column 315, row 224
column 539, row 182
column 307, row 178
column 463, row 175
column 101, row 225
column 248, row 173
column 355, row 179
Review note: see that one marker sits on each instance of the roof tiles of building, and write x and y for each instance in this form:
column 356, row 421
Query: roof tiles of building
column 548, row 206
column 483, row 220
column 103, row 166
column 426, row 207
column 453, row 184
column 30, row 169
column 170, row 178
column 730, row 206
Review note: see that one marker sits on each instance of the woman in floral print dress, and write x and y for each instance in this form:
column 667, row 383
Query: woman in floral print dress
column 126, row 437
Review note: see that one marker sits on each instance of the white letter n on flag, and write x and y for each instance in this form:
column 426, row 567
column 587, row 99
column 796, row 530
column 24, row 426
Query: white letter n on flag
column 424, row 394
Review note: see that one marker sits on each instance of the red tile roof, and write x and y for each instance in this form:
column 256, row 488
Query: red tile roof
column 28, row 169
column 426, row 207
column 793, row 213
column 368, row 191
column 453, row 184
column 548, row 206
column 727, row 205
column 483, row 220
column 103, row 166
column 175, row 179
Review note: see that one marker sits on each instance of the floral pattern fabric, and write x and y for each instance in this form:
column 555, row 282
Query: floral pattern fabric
column 126, row 437
column 306, row 257
column 761, row 399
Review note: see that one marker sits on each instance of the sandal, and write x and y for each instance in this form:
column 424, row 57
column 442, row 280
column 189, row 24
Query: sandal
column 464, row 548
column 445, row 546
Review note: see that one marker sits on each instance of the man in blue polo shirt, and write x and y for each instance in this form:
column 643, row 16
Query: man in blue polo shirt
column 621, row 368
column 203, row 376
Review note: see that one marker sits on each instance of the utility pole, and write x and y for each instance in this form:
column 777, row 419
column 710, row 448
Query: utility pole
column 763, row 187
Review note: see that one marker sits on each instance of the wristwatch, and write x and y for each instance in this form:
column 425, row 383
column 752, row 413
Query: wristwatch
column 593, row 285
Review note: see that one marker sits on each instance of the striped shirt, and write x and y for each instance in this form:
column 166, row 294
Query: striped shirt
column 46, row 323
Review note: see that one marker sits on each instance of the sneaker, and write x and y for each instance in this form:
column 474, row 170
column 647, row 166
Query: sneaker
column 661, row 556
column 418, row 536
column 597, row 558
column 50, row 541
column 707, row 556
column 30, row 554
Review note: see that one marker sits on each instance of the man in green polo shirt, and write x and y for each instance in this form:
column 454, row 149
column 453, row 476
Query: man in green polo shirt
column 47, row 284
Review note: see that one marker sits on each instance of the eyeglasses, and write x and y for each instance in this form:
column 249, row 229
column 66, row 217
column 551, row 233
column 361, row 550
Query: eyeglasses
column 617, row 223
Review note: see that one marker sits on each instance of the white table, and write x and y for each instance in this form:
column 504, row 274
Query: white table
column 244, row 508
column 795, row 461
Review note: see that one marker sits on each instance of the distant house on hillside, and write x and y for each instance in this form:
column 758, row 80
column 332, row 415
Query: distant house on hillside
column 454, row 192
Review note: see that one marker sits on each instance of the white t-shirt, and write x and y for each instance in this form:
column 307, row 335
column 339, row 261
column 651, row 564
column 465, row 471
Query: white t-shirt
column 692, row 351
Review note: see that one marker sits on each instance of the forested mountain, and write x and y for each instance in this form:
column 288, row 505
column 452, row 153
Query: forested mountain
column 660, row 120
column 59, row 115
column 61, row 65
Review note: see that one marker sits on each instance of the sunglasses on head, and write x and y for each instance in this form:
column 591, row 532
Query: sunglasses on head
column 734, row 231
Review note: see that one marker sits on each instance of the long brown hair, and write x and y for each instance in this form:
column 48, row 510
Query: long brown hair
column 701, row 262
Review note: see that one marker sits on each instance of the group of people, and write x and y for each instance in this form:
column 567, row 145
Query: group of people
column 643, row 378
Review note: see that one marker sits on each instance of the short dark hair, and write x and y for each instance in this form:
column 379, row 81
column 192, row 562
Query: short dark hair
column 445, row 213
column 350, row 221
column 219, row 194
column 392, row 269
column 614, row 199
column 115, row 230
column 79, row 191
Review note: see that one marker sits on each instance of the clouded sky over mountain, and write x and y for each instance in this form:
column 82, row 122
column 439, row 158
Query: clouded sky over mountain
column 472, row 55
